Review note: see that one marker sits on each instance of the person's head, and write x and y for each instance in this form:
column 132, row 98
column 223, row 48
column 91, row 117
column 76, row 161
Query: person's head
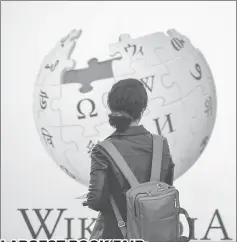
column 127, row 101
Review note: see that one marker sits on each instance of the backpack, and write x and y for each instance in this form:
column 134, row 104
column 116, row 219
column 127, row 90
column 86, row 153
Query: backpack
column 153, row 207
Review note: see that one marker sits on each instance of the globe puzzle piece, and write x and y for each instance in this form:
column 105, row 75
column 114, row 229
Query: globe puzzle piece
column 58, row 61
column 82, row 166
column 194, row 105
column 176, row 46
column 165, row 119
column 199, row 105
column 131, row 50
column 84, row 109
column 152, row 78
column 187, row 73
column 42, row 104
column 198, row 69
column 52, row 139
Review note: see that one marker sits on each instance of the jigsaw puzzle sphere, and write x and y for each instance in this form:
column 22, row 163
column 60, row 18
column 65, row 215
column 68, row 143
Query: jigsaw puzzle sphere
column 71, row 113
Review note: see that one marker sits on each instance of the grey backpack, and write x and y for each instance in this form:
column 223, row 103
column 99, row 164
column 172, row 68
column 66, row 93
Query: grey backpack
column 153, row 207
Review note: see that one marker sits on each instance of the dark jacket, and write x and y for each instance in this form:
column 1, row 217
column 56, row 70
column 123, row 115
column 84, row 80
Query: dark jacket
column 135, row 145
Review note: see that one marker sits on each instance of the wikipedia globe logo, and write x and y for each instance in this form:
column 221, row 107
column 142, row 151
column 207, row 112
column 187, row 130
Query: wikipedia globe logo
column 70, row 106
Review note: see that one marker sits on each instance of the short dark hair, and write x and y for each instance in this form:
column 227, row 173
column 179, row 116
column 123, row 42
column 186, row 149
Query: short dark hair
column 127, row 100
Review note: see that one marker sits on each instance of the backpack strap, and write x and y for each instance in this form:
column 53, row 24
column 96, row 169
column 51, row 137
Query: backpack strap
column 128, row 174
column 121, row 223
column 120, row 162
column 156, row 157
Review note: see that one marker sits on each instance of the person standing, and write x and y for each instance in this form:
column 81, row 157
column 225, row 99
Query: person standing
column 127, row 101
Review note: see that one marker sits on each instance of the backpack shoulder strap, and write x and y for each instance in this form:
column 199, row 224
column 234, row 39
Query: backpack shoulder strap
column 119, row 161
column 156, row 157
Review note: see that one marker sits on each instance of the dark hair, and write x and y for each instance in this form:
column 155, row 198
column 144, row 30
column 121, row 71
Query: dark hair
column 127, row 100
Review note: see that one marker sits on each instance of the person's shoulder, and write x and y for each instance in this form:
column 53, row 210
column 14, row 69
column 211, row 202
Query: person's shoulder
column 97, row 149
column 99, row 157
column 99, row 152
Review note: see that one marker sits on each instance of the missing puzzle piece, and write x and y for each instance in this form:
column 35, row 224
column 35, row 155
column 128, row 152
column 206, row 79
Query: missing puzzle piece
column 95, row 71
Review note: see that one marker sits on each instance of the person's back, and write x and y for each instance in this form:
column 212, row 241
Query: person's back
column 127, row 101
